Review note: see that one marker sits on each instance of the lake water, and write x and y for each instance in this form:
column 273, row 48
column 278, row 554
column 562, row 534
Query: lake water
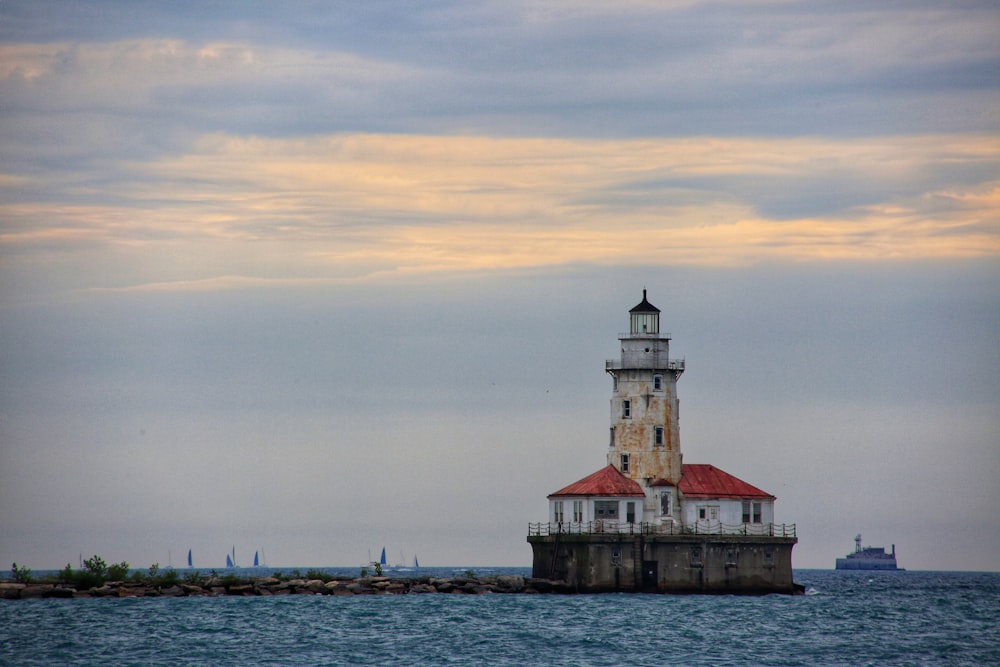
column 846, row 618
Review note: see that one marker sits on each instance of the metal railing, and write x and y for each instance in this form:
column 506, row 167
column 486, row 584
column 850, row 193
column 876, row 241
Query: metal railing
column 669, row 528
column 644, row 361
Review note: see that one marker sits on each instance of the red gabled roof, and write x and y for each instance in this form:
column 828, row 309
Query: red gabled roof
column 605, row 482
column 700, row 480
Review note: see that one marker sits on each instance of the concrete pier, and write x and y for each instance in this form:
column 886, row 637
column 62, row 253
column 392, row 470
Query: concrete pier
column 727, row 564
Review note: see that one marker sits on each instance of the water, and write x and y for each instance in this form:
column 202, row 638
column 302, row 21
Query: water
column 846, row 618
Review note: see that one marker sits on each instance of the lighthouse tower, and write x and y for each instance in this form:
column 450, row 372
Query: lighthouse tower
column 699, row 529
column 645, row 441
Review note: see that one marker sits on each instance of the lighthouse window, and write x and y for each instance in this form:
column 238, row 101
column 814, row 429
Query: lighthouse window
column 626, row 409
column 577, row 511
column 606, row 509
column 624, row 460
column 658, row 436
column 558, row 511
column 752, row 512
column 657, row 382
column 665, row 504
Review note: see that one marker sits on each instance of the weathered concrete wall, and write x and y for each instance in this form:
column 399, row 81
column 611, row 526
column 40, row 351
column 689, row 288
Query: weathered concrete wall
column 666, row 564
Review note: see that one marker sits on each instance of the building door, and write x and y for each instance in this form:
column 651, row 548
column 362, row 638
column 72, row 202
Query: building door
column 649, row 578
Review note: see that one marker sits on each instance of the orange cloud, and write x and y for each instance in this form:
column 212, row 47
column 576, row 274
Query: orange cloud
column 371, row 204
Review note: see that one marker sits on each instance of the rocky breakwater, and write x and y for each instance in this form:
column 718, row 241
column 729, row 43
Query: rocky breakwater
column 219, row 586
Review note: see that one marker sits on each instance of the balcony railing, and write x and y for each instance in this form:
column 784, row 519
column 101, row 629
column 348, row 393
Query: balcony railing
column 639, row 360
column 669, row 528
column 642, row 334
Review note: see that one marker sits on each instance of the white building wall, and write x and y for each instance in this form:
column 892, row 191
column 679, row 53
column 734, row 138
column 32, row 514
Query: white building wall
column 729, row 511
column 588, row 510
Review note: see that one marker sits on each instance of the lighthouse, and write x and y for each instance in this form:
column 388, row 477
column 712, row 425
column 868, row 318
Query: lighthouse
column 646, row 521
column 644, row 441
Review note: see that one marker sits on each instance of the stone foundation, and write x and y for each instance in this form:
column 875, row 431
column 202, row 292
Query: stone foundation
column 604, row 563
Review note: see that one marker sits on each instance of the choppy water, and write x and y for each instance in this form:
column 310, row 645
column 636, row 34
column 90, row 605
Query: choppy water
column 903, row 618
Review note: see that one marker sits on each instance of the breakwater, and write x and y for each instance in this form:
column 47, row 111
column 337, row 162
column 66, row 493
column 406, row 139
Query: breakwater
column 229, row 585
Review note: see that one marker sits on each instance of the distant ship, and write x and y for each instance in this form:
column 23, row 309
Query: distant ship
column 868, row 558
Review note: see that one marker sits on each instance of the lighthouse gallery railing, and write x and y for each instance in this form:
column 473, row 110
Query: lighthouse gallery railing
column 698, row 528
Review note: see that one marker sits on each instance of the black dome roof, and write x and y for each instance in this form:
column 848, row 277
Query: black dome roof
column 645, row 306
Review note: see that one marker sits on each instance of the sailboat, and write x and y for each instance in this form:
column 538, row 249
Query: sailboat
column 382, row 559
column 189, row 559
column 229, row 561
column 256, row 561
column 415, row 563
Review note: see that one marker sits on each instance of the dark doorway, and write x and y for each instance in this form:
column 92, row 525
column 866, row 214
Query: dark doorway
column 649, row 579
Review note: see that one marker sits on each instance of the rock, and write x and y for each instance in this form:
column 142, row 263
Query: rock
column 442, row 585
column 422, row 588
column 510, row 583
column 357, row 587
column 10, row 590
column 132, row 592
column 101, row 591
column 315, row 586
column 172, row 592
column 35, row 591
column 191, row 589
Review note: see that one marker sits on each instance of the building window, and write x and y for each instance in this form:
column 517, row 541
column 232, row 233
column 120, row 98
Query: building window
column 708, row 512
column 630, row 512
column 657, row 383
column 558, row 511
column 624, row 461
column 665, row 504
column 606, row 509
column 611, row 442
column 577, row 511
column 626, row 409
column 752, row 512
column 657, row 436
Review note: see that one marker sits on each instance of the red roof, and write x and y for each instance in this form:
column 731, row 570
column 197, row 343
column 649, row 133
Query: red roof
column 700, row 480
column 605, row 482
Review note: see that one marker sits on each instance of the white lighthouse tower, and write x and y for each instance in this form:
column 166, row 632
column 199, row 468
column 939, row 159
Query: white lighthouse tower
column 645, row 437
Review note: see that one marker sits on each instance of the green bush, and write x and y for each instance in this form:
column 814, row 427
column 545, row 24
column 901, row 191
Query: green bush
column 319, row 574
column 94, row 573
column 21, row 575
column 170, row 577
column 118, row 572
column 194, row 578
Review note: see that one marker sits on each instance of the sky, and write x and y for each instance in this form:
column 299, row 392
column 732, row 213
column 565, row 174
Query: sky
column 318, row 278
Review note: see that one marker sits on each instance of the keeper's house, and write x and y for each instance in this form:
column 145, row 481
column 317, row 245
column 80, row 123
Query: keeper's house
column 647, row 522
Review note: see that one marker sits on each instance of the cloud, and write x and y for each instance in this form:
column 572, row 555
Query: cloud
column 348, row 206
